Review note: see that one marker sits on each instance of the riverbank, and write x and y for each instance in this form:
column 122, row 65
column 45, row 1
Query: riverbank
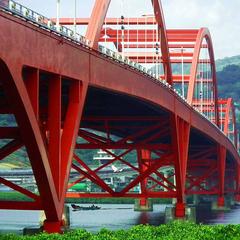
column 175, row 230
column 114, row 200
column 15, row 196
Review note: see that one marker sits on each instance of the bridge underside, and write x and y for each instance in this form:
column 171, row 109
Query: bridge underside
column 118, row 121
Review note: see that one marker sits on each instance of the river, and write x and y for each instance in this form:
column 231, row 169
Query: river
column 111, row 216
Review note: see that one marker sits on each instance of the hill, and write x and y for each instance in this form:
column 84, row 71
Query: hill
column 229, row 82
column 229, row 86
column 221, row 63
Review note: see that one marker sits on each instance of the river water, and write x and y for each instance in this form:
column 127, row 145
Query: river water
column 111, row 216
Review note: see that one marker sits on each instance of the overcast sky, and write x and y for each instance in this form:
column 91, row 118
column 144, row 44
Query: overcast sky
column 220, row 16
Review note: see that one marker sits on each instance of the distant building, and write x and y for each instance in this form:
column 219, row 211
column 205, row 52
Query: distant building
column 103, row 157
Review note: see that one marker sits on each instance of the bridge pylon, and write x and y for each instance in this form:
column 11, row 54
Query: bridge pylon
column 144, row 161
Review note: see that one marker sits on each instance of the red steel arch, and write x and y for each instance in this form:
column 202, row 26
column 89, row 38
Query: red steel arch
column 226, row 109
column 203, row 34
column 193, row 40
column 98, row 16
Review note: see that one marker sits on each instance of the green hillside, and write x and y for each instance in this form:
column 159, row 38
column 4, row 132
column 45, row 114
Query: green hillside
column 221, row 63
column 229, row 82
column 229, row 86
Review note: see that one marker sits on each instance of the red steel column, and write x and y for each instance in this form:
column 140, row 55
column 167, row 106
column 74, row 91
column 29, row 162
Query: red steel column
column 62, row 138
column 77, row 95
column 221, row 167
column 54, row 129
column 18, row 98
column 96, row 22
column 32, row 85
column 237, row 196
column 54, row 139
column 180, row 141
column 143, row 159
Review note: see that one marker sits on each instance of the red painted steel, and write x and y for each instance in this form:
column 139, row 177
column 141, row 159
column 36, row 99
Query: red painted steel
column 96, row 21
column 45, row 79
column 162, row 36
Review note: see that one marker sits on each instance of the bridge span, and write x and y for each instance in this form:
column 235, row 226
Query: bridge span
column 128, row 84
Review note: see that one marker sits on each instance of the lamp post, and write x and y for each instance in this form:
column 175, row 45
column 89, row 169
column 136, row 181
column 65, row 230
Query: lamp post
column 58, row 13
column 183, row 93
column 181, row 51
column 75, row 17
column 146, row 16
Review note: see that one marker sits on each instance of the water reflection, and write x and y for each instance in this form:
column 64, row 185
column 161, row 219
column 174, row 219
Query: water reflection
column 113, row 216
column 143, row 218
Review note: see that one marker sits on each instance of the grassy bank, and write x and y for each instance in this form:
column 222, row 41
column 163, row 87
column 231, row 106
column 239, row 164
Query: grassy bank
column 113, row 200
column 15, row 196
column 176, row 230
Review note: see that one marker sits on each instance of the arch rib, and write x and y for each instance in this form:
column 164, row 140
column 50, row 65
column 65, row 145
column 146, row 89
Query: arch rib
column 203, row 33
column 96, row 22
column 158, row 12
column 228, row 110
column 97, row 19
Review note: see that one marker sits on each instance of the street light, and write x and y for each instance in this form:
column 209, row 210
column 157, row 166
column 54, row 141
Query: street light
column 182, row 50
column 75, row 17
column 146, row 16
column 58, row 13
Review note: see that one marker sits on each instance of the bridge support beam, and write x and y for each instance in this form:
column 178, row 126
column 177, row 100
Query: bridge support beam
column 221, row 203
column 50, row 140
column 144, row 158
column 237, row 195
column 52, row 227
column 237, row 199
column 221, row 167
column 143, row 205
column 180, row 141
column 187, row 213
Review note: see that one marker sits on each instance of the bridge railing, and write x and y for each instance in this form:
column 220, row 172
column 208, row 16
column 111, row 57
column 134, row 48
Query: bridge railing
column 35, row 18
column 42, row 21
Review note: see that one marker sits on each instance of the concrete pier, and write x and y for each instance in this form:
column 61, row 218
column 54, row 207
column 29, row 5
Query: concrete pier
column 190, row 214
column 221, row 204
column 143, row 205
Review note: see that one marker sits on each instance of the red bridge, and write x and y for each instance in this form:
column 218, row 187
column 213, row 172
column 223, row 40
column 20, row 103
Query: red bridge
column 152, row 98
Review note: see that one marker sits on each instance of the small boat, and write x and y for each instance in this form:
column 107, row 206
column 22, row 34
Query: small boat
column 78, row 208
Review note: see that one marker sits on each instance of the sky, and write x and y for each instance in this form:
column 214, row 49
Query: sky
column 220, row 16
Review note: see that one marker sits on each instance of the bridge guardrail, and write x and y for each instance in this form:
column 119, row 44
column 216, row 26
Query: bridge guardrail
column 44, row 22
